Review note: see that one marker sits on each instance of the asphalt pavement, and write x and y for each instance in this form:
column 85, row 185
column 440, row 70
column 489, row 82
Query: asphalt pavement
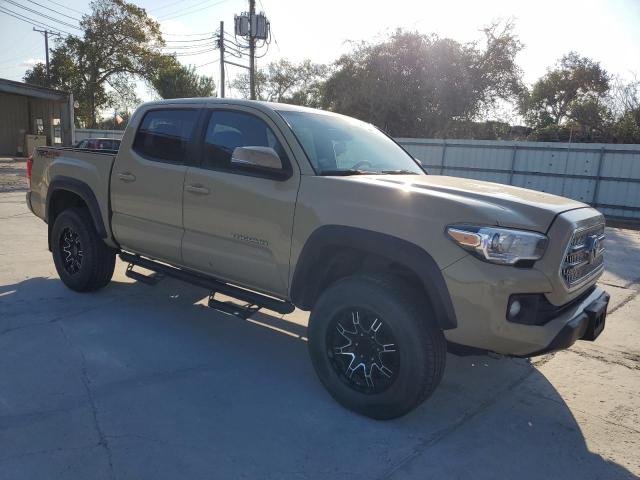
column 140, row 382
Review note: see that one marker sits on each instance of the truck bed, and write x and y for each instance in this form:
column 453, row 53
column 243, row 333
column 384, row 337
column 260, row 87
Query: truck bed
column 71, row 167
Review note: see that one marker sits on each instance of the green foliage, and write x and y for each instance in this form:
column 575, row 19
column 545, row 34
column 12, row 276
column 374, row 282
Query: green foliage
column 414, row 84
column 287, row 82
column 120, row 43
column 173, row 80
column 37, row 75
column 567, row 92
column 627, row 128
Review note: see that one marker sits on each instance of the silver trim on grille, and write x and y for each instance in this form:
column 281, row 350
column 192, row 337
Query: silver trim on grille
column 584, row 256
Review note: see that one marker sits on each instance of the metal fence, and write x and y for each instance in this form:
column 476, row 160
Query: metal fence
column 606, row 176
column 82, row 133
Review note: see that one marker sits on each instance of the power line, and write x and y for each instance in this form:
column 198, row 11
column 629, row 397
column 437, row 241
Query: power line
column 172, row 16
column 67, row 7
column 208, row 63
column 188, row 54
column 185, row 8
column 166, row 5
column 185, row 34
column 194, row 41
column 31, row 21
column 55, row 11
column 61, row 22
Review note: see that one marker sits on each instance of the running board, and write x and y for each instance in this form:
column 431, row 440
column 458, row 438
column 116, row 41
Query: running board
column 211, row 284
column 141, row 277
column 241, row 311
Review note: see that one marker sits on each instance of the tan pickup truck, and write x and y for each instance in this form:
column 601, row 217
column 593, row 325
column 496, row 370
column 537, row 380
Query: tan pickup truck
column 281, row 207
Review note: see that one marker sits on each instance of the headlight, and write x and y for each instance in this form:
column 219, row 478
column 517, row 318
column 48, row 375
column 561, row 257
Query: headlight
column 499, row 245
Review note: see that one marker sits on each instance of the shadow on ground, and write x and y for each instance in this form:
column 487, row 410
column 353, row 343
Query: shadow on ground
column 139, row 382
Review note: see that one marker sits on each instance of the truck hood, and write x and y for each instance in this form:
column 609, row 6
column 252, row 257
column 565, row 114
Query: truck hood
column 477, row 200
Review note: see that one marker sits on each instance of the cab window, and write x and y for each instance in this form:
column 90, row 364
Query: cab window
column 164, row 135
column 227, row 130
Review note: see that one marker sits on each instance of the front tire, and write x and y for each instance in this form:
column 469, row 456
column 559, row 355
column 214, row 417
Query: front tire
column 375, row 345
column 83, row 261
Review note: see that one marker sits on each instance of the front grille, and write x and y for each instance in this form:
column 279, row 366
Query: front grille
column 584, row 256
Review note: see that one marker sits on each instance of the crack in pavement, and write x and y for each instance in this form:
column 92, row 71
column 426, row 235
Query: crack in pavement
column 86, row 381
column 58, row 318
column 624, row 302
column 46, row 452
column 609, row 358
column 445, row 432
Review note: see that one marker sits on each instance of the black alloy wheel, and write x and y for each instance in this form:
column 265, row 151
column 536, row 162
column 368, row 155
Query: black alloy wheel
column 72, row 252
column 375, row 344
column 363, row 350
column 83, row 260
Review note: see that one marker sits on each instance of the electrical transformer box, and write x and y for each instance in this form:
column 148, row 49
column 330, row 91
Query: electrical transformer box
column 259, row 26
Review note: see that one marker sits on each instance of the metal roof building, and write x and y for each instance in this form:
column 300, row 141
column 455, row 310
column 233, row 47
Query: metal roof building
column 27, row 110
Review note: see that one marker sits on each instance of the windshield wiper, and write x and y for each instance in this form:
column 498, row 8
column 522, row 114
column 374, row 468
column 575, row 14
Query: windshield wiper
column 345, row 172
column 398, row 172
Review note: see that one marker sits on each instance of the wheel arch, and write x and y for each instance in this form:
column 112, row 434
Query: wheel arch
column 65, row 192
column 338, row 250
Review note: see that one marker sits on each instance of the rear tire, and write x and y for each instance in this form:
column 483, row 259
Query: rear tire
column 376, row 317
column 83, row 261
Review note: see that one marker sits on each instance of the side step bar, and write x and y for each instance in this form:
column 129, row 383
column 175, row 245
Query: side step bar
column 210, row 284
column 141, row 277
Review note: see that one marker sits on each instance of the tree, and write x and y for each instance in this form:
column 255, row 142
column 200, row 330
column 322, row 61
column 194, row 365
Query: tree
column 416, row 85
column 624, row 102
column 37, row 75
column 287, row 82
column 173, row 80
column 120, row 42
column 572, row 91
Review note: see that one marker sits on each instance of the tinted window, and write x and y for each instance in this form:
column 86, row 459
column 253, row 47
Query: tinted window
column 228, row 130
column 165, row 134
column 108, row 145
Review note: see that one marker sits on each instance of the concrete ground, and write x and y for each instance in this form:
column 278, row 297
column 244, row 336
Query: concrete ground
column 139, row 382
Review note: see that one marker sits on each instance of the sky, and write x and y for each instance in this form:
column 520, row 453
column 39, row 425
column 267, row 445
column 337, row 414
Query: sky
column 606, row 30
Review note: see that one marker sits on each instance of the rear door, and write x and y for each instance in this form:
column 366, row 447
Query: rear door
column 237, row 219
column 147, row 181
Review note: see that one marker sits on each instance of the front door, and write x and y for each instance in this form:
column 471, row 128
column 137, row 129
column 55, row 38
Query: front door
column 238, row 219
column 147, row 181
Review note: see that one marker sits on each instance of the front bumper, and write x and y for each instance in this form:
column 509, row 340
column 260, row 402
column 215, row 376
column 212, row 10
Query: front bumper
column 480, row 293
column 587, row 324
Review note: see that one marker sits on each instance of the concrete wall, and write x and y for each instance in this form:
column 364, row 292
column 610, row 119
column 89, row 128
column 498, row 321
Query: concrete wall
column 606, row 176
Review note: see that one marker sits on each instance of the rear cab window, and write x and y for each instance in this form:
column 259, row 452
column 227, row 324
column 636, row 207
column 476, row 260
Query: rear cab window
column 165, row 135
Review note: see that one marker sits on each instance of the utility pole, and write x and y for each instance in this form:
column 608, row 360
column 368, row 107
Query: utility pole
column 46, row 49
column 221, row 48
column 252, row 48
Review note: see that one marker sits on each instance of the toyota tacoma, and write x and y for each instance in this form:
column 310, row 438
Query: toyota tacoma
column 281, row 206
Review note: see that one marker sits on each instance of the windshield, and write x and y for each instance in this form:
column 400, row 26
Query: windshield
column 345, row 146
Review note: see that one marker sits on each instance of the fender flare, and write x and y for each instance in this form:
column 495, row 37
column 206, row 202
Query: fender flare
column 85, row 192
column 306, row 283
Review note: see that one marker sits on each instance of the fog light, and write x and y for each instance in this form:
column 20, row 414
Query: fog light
column 514, row 309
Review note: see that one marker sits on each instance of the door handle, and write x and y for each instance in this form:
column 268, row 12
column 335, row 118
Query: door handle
column 126, row 176
column 197, row 189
